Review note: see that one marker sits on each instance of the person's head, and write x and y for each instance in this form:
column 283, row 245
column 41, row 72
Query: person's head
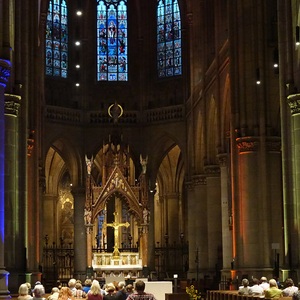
column 121, row 286
column 39, row 291
column 58, row 284
column 78, row 285
column 273, row 283
column 263, row 279
column 28, row 285
column 54, row 290
column 23, row 289
column 129, row 288
column 245, row 282
column 140, row 286
column 72, row 283
column 289, row 282
column 110, row 288
column 255, row 281
column 65, row 293
column 88, row 282
column 95, row 287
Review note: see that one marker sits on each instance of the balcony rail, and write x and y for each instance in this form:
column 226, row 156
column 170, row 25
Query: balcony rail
column 72, row 116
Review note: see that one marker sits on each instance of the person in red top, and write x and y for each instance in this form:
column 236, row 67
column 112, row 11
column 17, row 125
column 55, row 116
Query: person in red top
column 95, row 291
column 139, row 293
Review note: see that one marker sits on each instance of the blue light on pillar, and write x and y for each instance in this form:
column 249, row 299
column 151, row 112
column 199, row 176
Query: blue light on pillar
column 5, row 67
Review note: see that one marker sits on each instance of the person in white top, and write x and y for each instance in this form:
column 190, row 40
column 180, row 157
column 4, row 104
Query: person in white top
column 244, row 288
column 264, row 283
column 255, row 289
column 290, row 288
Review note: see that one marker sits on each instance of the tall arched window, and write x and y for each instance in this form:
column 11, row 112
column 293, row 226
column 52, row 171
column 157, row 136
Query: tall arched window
column 57, row 39
column 112, row 58
column 168, row 38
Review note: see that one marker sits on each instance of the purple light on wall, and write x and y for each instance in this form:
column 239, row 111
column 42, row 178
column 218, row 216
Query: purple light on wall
column 2, row 87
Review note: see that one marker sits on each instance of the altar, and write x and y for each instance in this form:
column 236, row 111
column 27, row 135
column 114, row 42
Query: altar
column 127, row 264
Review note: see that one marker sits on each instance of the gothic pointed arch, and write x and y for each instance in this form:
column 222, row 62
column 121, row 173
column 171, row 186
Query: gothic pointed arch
column 212, row 132
column 61, row 174
column 169, row 203
column 117, row 184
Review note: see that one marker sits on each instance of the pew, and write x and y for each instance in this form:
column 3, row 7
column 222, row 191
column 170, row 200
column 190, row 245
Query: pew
column 233, row 295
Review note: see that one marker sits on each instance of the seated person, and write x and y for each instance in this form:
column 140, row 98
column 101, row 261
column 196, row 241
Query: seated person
column 273, row 291
column 256, row 289
column 244, row 288
column 290, row 288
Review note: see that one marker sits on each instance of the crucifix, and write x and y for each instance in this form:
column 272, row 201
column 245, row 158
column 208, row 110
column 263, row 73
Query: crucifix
column 116, row 225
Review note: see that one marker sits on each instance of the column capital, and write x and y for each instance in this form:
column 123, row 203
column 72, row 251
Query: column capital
column 212, row 170
column 5, row 67
column 294, row 103
column 248, row 144
column 251, row 144
column 11, row 104
column 222, row 159
column 196, row 180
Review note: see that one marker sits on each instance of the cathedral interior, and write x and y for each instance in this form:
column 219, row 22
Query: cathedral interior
column 164, row 130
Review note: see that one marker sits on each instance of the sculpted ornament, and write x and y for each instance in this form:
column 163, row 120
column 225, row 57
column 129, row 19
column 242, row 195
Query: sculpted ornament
column 144, row 162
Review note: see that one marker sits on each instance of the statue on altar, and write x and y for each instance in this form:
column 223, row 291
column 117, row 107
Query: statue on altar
column 87, row 216
column 89, row 164
column 146, row 216
column 144, row 162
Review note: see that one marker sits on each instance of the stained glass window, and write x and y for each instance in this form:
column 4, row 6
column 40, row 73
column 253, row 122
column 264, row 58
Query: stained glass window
column 57, row 39
column 168, row 38
column 112, row 56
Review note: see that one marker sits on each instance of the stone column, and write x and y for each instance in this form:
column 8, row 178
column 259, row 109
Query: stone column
column 89, row 243
column 287, row 62
column 14, row 208
column 80, row 247
column 250, row 211
column 226, row 215
column 291, row 208
column 49, row 216
column 150, row 229
column 214, row 222
column 259, row 209
column 172, row 215
column 197, row 227
column 5, row 67
column 144, row 230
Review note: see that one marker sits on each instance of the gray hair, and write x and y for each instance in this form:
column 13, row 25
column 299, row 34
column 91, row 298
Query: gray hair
column 245, row 282
column 39, row 291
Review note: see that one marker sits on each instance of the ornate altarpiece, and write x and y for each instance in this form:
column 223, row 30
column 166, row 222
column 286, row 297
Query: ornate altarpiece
column 118, row 185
